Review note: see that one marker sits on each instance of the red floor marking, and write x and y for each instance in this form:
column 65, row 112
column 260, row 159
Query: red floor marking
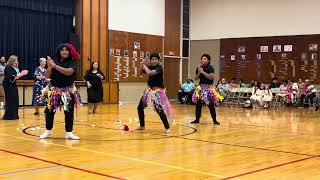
column 56, row 163
column 271, row 167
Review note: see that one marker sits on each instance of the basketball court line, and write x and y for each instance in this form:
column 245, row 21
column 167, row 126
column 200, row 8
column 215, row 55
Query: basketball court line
column 270, row 167
column 249, row 147
column 150, row 156
column 300, row 132
column 162, row 136
column 28, row 170
column 312, row 156
column 221, row 143
column 118, row 161
column 59, row 164
column 116, row 156
column 285, row 129
column 227, row 144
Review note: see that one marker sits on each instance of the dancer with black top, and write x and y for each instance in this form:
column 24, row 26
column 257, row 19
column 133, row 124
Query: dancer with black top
column 155, row 95
column 205, row 92
column 61, row 90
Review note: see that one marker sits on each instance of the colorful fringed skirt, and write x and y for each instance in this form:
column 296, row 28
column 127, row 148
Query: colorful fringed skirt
column 55, row 97
column 156, row 97
column 207, row 94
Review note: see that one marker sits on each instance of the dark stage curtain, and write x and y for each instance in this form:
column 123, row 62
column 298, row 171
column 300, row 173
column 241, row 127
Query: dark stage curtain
column 32, row 29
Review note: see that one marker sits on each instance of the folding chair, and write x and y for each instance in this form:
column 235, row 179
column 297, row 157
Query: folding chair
column 275, row 102
column 244, row 95
column 232, row 97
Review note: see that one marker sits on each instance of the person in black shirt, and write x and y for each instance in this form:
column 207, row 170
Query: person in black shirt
column 11, row 74
column 155, row 94
column 61, row 90
column 94, row 77
column 275, row 83
column 205, row 92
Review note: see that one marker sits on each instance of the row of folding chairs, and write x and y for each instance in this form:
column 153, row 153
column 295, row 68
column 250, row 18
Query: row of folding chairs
column 238, row 97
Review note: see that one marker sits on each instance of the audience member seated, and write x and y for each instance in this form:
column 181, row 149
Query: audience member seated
column 267, row 97
column 186, row 90
column 241, row 84
column 254, row 83
column 222, row 87
column 282, row 96
column 300, row 84
column 275, row 83
column 232, row 84
column 257, row 95
column 308, row 94
column 293, row 93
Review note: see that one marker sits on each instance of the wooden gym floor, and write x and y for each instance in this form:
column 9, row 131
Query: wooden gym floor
column 249, row 144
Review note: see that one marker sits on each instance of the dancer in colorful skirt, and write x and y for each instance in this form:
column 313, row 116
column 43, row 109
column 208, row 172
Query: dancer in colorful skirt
column 61, row 93
column 155, row 95
column 206, row 92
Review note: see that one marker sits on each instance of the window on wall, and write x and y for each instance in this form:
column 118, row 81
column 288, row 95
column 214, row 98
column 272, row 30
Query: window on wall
column 185, row 39
column 185, row 28
column 185, row 48
column 186, row 19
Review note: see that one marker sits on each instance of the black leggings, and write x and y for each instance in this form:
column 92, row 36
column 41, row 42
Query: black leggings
column 211, row 108
column 159, row 110
column 305, row 99
column 68, row 117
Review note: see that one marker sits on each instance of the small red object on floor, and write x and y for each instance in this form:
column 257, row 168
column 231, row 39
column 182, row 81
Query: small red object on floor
column 125, row 128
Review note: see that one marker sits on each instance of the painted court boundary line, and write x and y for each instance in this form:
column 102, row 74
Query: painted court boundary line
column 249, row 147
column 28, row 170
column 270, row 167
column 59, row 164
column 111, row 155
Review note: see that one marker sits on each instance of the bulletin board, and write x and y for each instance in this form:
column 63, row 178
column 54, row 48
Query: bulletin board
column 262, row 58
column 126, row 52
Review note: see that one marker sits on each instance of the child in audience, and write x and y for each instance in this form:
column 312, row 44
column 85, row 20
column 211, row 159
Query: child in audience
column 232, row 84
column 282, row 96
column 241, row 84
column 293, row 93
column 257, row 95
column 300, row 84
column 222, row 87
column 254, row 83
column 267, row 97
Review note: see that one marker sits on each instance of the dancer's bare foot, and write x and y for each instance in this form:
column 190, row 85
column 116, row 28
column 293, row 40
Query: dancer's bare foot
column 140, row 128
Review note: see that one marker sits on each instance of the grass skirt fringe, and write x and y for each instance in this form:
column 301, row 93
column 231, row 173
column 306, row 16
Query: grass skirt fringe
column 207, row 93
column 55, row 97
column 157, row 98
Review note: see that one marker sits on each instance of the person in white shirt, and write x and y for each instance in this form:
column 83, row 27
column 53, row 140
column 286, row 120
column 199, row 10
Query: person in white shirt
column 257, row 95
column 267, row 97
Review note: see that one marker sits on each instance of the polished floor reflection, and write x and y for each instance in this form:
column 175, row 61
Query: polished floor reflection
column 249, row 144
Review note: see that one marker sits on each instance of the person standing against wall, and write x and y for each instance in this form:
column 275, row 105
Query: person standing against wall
column 2, row 66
